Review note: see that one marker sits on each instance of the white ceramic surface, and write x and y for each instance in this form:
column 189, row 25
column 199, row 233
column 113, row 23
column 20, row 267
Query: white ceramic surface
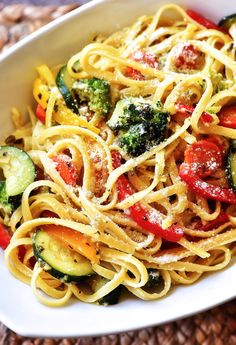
column 53, row 44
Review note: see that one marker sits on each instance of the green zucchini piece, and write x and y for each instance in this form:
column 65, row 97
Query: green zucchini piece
column 227, row 21
column 96, row 283
column 111, row 298
column 3, row 193
column 64, row 83
column 231, row 166
column 11, row 203
column 4, row 204
column 18, row 170
column 59, row 260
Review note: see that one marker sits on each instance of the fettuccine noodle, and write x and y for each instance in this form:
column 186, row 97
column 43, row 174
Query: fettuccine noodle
column 126, row 252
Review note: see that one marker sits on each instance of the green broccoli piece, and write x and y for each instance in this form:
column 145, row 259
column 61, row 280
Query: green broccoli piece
column 154, row 278
column 134, row 141
column 129, row 111
column 96, row 93
column 141, row 124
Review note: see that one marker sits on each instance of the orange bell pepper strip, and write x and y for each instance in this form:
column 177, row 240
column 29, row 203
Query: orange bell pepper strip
column 75, row 240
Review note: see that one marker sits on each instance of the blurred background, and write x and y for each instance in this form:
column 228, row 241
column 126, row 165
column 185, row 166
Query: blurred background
column 43, row 2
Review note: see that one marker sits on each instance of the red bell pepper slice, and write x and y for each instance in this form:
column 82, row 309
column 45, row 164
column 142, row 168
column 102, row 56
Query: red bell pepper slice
column 4, row 237
column 205, row 189
column 221, row 142
column 41, row 113
column 220, row 220
column 203, row 21
column 147, row 218
column 66, row 168
column 227, row 116
column 149, row 59
column 204, row 157
column 187, row 57
column 187, row 110
column 48, row 214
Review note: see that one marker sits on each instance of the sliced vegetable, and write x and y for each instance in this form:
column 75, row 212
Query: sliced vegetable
column 227, row 21
column 148, row 59
column 4, row 237
column 96, row 93
column 96, row 283
column 227, row 116
column 205, row 189
column 8, row 203
column 142, row 124
column 74, row 240
column 231, row 166
column 66, row 168
column 204, row 158
column 41, row 93
column 220, row 220
column 18, row 169
column 220, row 141
column 41, row 113
column 187, row 110
column 46, row 74
column 48, row 214
column 197, row 17
column 133, row 73
column 188, row 57
column 59, row 260
column 65, row 116
column 147, row 218
column 3, row 194
column 64, row 83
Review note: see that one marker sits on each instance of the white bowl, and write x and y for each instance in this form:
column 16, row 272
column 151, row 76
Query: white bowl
column 54, row 44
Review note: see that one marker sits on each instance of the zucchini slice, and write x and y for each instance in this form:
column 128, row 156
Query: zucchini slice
column 227, row 21
column 11, row 203
column 64, row 83
column 59, row 260
column 231, row 166
column 96, row 283
column 18, row 169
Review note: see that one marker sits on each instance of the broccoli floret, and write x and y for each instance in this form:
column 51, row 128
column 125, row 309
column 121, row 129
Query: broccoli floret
column 134, row 141
column 154, row 278
column 96, row 93
column 129, row 111
column 141, row 124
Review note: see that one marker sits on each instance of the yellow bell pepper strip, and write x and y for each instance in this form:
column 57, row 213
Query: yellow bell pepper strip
column 45, row 74
column 65, row 116
column 41, row 93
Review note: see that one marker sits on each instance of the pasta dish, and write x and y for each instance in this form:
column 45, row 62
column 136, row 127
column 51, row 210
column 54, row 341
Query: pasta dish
column 124, row 176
